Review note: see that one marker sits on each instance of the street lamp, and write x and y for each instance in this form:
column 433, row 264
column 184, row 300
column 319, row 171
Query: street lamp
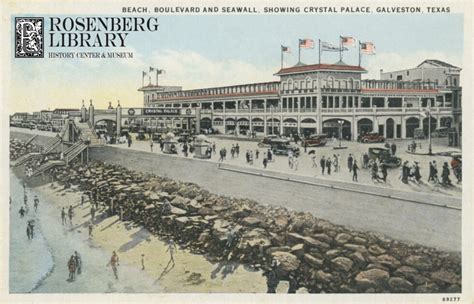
column 340, row 122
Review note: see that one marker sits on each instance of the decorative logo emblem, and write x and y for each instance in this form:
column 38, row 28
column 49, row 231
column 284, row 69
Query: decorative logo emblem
column 188, row 111
column 29, row 37
column 131, row 112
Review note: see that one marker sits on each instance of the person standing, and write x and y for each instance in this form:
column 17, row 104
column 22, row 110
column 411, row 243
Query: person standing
column 77, row 258
column 92, row 212
column 22, row 212
column 214, row 147
column 354, row 170
column 265, row 162
column 237, row 150
column 171, row 248
column 350, row 161
column 114, row 263
column 313, row 158
column 129, row 140
column 393, row 148
column 70, row 214
column 295, row 163
column 336, row 163
column 431, row 172
column 270, row 155
column 91, row 227
column 257, row 153
column 143, row 261
column 221, row 155
column 247, row 156
column 322, row 163
column 63, row 216
column 232, row 151
column 405, row 172
column 72, row 268
column 383, row 169
column 445, row 181
column 328, row 165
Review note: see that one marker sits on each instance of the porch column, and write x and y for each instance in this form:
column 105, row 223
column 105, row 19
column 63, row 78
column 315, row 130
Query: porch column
column 370, row 102
column 404, row 127
column 265, row 131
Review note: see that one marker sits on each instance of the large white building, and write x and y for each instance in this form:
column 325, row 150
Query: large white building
column 316, row 98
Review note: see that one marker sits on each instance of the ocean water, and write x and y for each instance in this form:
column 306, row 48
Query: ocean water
column 30, row 260
column 40, row 265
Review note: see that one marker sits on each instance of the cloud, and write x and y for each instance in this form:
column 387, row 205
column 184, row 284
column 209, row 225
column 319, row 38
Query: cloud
column 395, row 62
column 192, row 70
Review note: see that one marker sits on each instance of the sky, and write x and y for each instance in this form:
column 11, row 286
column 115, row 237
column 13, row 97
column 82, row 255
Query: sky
column 216, row 50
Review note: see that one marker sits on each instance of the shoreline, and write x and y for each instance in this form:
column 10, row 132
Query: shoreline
column 192, row 272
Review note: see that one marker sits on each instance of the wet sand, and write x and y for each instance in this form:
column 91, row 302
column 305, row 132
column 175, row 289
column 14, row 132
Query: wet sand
column 192, row 273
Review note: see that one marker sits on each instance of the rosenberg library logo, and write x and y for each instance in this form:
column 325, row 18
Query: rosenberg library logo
column 29, row 37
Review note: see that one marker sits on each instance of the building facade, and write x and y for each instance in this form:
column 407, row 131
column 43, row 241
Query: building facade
column 318, row 98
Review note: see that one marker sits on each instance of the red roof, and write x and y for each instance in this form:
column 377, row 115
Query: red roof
column 315, row 67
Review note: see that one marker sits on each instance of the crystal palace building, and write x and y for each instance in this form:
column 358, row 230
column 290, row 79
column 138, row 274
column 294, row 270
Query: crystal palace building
column 318, row 98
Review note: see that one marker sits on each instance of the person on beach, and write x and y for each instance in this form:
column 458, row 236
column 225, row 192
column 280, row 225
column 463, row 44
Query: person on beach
column 71, row 265
column 91, row 227
column 77, row 258
column 70, row 214
column 92, row 212
column 114, row 262
column 143, row 261
column 36, row 203
column 63, row 216
column 22, row 212
column 171, row 248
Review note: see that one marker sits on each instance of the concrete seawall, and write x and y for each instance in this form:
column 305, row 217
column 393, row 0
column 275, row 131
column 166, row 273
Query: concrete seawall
column 427, row 225
column 423, row 224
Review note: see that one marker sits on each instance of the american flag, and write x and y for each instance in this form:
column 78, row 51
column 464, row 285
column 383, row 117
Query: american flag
column 306, row 44
column 367, row 48
column 348, row 41
column 285, row 49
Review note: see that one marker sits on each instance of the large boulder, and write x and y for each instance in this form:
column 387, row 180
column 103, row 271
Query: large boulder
column 419, row 262
column 323, row 277
column 342, row 263
column 177, row 211
column 406, row 272
column 371, row 278
column 298, row 250
column 343, row 238
column 180, row 202
column 388, row 261
column 287, row 262
column 251, row 221
column 444, row 277
column 399, row 285
column 313, row 261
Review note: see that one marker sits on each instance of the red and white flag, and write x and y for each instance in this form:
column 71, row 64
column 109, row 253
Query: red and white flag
column 367, row 48
column 348, row 41
column 306, row 44
column 285, row 49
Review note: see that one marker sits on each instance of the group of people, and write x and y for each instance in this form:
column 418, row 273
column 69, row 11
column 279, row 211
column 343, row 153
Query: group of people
column 74, row 266
column 69, row 214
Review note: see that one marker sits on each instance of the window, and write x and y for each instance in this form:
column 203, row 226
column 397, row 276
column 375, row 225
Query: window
column 455, row 81
column 408, row 73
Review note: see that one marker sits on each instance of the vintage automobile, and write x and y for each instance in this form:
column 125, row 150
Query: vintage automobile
column 283, row 146
column 316, row 140
column 385, row 156
column 372, row 137
column 267, row 141
column 418, row 133
column 185, row 137
column 441, row 132
column 141, row 135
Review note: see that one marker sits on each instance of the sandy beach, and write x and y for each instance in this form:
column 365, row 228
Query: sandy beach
column 191, row 272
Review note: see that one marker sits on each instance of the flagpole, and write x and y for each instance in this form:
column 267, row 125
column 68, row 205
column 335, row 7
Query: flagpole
column 299, row 50
column 157, row 71
column 281, row 50
column 340, row 48
column 359, row 54
column 143, row 80
column 319, row 51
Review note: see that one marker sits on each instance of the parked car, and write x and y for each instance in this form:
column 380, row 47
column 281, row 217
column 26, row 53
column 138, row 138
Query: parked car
column 283, row 146
column 441, row 132
column 141, row 135
column 316, row 140
column 372, row 137
column 267, row 141
column 385, row 156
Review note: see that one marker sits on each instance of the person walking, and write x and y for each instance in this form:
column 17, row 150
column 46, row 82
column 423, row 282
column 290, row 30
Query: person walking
column 129, row 141
column 151, row 145
column 91, row 228
column 350, row 161
column 445, row 181
column 77, row 258
column 257, row 153
column 237, row 150
column 162, row 145
column 313, row 159
column 36, row 203
column 63, row 216
column 375, row 172
column 171, row 248
column 214, row 147
column 335, row 163
column 295, row 163
column 393, row 148
column 265, row 162
column 92, row 212
column 71, row 265
column 405, row 172
column 354, row 170
column 269, row 155
column 114, row 263
column 232, row 151
column 322, row 163
column 365, row 159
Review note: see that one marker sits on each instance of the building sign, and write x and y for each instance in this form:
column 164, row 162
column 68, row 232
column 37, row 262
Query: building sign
column 161, row 111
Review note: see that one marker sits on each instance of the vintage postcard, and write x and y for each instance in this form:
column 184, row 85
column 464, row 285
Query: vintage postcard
column 225, row 151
